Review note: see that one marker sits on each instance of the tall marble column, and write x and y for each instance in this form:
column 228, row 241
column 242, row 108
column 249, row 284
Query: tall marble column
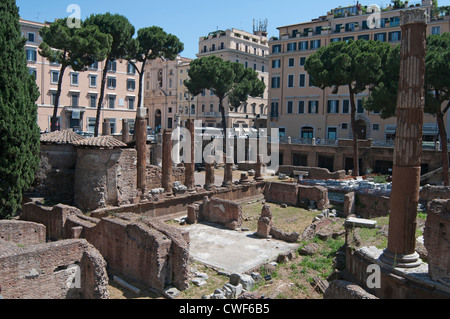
column 106, row 127
column 190, row 167
column 258, row 169
column 125, row 131
column 141, row 143
column 408, row 142
column 228, row 172
column 209, row 173
column 167, row 165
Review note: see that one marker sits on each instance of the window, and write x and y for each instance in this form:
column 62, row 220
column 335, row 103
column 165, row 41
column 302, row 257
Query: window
column 112, row 66
column 32, row 71
column 331, row 133
column 350, row 26
column 360, row 108
column 380, row 37
column 395, row 36
column 246, row 64
column 333, row 106
column 169, row 123
column 344, row 126
column 131, row 103
column 302, row 80
column 74, row 99
column 302, row 61
column 53, row 97
column 213, row 47
column 313, row 107
column 291, row 62
column 94, row 65
column 112, row 102
column 335, row 40
column 303, row 45
column 364, row 37
column 346, row 107
column 276, row 48
column 290, row 106
column 131, row 69
column 91, row 124
column 276, row 64
column 376, row 127
column 311, row 81
column 74, row 79
column 435, row 30
column 346, row 39
column 307, row 132
column 93, row 100
column 111, row 82
column 131, row 84
column 254, row 66
column 315, row 44
column 222, row 45
column 31, row 55
column 275, row 82
column 192, row 109
column 54, row 77
column 263, row 68
column 301, row 107
column 31, row 36
column 203, row 108
column 338, row 28
column 290, row 81
column 211, row 108
column 92, row 81
column 274, row 110
column 291, row 46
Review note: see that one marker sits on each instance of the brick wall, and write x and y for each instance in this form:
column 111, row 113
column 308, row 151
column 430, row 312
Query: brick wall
column 41, row 271
column 22, row 233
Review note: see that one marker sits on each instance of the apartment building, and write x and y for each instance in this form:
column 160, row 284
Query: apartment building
column 188, row 107
column 301, row 110
column 250, row 49
column 80, row 90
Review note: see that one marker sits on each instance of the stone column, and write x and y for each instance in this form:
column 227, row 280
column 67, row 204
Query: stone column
column 141, row 145
column 125, row 131
column 258, row 169
column 167, row 165
column 408, row 143
column 159, row 149
column 228, row 172
column 106, row 128
column 209, row 173
column 190, row 167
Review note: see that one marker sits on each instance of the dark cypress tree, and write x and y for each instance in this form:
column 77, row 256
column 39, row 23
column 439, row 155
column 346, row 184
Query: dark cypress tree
column 19, row 132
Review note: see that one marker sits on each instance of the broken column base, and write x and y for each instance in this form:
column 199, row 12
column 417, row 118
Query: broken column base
column 394, row 283
column 401, row 261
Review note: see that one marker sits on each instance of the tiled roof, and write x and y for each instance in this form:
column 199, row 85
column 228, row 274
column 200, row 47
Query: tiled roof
column 101, row 141
column 61, row 137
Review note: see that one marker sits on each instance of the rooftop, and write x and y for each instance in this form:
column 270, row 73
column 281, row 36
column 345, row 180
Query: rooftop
column 101, row 141
column 61, row 137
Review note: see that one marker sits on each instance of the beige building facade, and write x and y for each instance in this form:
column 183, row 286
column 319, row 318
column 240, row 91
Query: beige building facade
column 302, row 111
column 80, row 90
column 250, row 49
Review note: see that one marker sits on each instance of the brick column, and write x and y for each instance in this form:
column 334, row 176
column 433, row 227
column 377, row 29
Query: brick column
column 408, row 142
column 167, row 165
column 190, row 167
column 209, row 174
column 141, row 143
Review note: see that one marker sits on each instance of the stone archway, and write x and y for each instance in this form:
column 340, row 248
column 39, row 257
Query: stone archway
column 361, row 129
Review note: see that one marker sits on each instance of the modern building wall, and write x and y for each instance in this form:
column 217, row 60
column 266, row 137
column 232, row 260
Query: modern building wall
column 80, row 90
column 301, row 110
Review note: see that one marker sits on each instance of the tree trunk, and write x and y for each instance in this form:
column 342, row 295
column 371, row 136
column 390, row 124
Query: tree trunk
column 53, row 126
column 443, row 138
column 355, row 171
column 100, row 99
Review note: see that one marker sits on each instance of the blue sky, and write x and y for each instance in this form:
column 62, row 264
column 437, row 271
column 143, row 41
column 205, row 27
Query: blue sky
column 189, row 20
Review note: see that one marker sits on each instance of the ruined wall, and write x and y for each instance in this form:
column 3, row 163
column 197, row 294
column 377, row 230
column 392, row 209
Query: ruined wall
column 22, row 233
column 428, row 193
column 41, row 271
column 104, row 177
column 55, row 177
column 144, row 250
column 154, row 176
column 133, row 246
column 293, row 194
column 227, row 213
column 437, row 239
column 314, row 172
